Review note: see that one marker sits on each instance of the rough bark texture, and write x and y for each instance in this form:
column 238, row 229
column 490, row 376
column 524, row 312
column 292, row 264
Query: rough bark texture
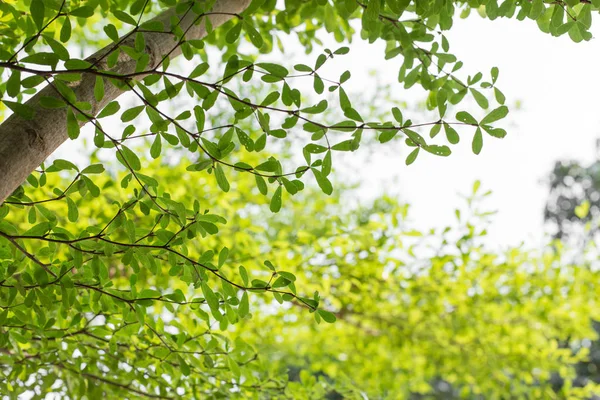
column 25, row 144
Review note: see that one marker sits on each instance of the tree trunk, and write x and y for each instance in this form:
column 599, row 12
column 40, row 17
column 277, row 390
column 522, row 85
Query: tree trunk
column 25, row 144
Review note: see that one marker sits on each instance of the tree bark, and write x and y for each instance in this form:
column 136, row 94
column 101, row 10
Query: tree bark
column 25, row 144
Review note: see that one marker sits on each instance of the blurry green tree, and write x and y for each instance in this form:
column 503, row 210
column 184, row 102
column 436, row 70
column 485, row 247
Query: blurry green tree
column 573, row 205
column 572, row 212
column 429, row 314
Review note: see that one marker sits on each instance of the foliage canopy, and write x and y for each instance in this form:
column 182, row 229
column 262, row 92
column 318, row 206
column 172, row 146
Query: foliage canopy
column 136, row 274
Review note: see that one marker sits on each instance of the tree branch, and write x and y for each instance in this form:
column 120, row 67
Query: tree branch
column 25, row 144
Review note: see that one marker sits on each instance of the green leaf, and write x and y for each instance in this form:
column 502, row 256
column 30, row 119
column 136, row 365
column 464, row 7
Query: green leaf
column 140, row 42
column 500, row 98
column 183, row 366
column 40, row 276
column 323, row 182
column 50, row 59
column 495, row 115
column 302, row 68
column 287, row 275
column 270, row 165
column 72, row 211
column 223, row 254
column 73, row 129
column 477, row 141
column 99, row 88
column 131, row 113
column 199, row 70
column 65, row 30
column 345, row 76
column 200, row 166
column 156, row 147
column 111, row 32
column 412, row 156
column 221, row 178
column 465, row 117
column 211, row 298
column 91, row 186
column 451, row 134
column 261, row 185
column 269, row 265
column 480, row 99
column 414, row 137
column 326, row 168
column 275, row 205
column 57, row 48
column 443, row 151
column 371, row 13
column 83, row 12
column 124, row 17
column 244, row 307
column 233, row 33
column 397, row 114
column 495, row 132
column 3, row 316
column 315, row 148
column 38, row 230
column 327, row 316
column 137, row 7
column 129, row 159
column 37, row 13
column 31, row 81
column 23, row 110
column 61, row 165
column 244, row 275
column 274, row 69
column 318, row 84
column 346, row 145
column 352, row 114
column 316, row 109
column 200, row 118
column 52, row 102
column 99, row 139
column 13, row 84
column 387, row 135
column 289, row 186
column 93, row 169
column 495, row 73
column 255, row 36
column 110, row 109
column 537, row 9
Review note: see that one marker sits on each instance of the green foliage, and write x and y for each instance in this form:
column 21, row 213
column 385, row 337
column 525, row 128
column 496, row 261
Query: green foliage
column 412, row 308
column 416, row 309
column 89, row 278
column 572, row 213
column 139, row 278
column 573, row 206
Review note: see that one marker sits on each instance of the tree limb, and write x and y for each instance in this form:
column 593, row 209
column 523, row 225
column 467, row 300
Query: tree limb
column 25, row 144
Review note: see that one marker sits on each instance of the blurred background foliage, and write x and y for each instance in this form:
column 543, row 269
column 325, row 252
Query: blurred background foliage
column 420, row 314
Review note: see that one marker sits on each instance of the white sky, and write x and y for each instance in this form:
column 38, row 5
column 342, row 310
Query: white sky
column 555, row 80
column 557, row 83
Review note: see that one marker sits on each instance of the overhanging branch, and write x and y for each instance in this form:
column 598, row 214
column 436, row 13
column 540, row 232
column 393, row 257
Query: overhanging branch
column 25, row 144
